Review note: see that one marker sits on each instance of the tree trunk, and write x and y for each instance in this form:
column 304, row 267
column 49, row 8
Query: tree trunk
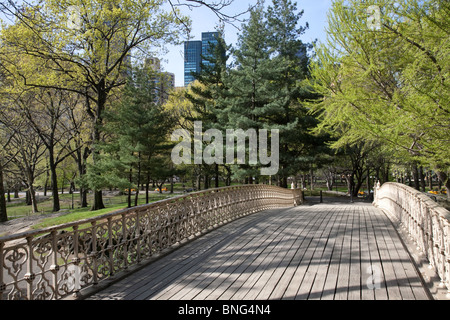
column 136, row 198
column 81, row 163
column 46, row 181
column 217, row 176
column 28, row 198
column 98, row 201
column 3, row 213
column 422, row 179
column 430, row 180
column 101, row 101
column 415, row 171
column 129, row 188
column 54, row 180
column 34, row 208
column 311, row 173
column 147, row 189
column 445, row 180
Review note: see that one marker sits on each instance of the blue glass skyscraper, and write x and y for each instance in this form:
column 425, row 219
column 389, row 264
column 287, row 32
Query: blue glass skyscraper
column 209, row 39
column 193, row 53
column 192, row 60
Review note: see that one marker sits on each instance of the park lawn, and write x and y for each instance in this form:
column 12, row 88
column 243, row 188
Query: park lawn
column 112, row 203
column 86, row 213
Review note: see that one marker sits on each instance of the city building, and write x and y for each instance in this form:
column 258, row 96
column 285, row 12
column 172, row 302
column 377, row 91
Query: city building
column 162, row 82
column 194, row 53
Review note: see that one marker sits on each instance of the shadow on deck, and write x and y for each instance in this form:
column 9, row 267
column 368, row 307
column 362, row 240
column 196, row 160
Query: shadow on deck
column 335, row 250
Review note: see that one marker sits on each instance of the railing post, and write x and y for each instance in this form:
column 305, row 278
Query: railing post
column 54, row 268
column 124, row 242
column 137, row 235
column 94, row 252
column 2, row 284
column 76, row 260
column 30, row 276
column 110, row 248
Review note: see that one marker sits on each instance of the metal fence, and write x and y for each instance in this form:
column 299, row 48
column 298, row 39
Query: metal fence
column 57, row 262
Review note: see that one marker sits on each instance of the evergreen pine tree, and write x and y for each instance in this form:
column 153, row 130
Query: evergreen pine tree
column 136, row 131
column 267, row 85
column 248, row 101
column 289, row 65
column 206, row 92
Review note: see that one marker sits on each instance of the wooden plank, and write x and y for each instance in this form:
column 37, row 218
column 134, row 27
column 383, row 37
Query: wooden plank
column 302, row 243
column 307, row 252
column 329, row 287
column 378, row 285
column 251, row 258
column 324, row 264
column 195, row 279
column 390, row 280
column 354, row 291
column 411, row 285
column 396, row 261
column 303, row 263
column 341, row 292
column 236, row 238
column 316, row 252
column 272, row 279
column 367, row 278
column 251, row 274
column 187, row 258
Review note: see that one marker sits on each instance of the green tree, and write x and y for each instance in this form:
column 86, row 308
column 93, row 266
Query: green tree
column 87, row 44
column 388, row 81
column 207, row 92
column 137, row 130
column 267, row 87
column 290, row 63
column 247, row 102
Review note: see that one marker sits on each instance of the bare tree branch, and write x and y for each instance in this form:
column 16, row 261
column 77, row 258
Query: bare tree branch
column 216, row 7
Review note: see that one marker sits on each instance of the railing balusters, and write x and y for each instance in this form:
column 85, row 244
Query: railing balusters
column 30, row 276
column 137, row 236
column 110, row 248
column 94, row 252
column 425, row 221
column 108, row 244
column 124, row 241
column 2, row 284
column 55, row 267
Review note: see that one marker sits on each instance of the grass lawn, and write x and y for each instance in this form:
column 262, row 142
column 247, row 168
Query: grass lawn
column 18, row 209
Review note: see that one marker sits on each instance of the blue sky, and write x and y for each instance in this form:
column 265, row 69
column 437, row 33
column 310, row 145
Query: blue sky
column 203, row 20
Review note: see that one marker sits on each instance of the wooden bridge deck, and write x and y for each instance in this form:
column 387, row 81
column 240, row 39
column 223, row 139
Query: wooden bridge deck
column 324, row 251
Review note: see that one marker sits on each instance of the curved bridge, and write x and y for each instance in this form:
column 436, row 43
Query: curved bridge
column 267, row 247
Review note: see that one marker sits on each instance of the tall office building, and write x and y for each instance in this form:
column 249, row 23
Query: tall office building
column 194, row 52
column 209, row 39
column 192, row 59
column 162, row 82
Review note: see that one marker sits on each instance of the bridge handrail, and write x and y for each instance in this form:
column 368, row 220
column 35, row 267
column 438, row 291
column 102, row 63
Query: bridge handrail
column 55, row 262
column 426, row 222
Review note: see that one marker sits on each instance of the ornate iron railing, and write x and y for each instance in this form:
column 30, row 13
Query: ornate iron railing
column 426, row 222
column 57, row 262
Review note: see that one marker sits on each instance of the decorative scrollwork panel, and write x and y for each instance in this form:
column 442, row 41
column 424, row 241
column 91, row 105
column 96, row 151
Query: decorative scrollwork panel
column 56, row 262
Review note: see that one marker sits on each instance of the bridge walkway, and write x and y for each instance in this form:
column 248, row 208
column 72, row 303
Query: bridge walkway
column 329, row 251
